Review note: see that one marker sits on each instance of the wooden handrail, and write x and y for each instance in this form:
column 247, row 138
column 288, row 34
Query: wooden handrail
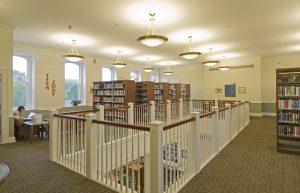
column 176, row 124
column 207, row 114
column 128, row 126
column 223, row 109
column 79, row 112
column 116, row 108
column 70, row 117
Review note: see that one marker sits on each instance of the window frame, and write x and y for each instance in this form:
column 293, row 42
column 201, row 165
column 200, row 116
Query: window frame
column 30, row 79
column 82, row 82
column 156, row 76
column 138, row 72
column 113, row 72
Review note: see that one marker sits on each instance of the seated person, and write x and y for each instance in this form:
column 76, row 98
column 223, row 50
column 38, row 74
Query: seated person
column 18, row 121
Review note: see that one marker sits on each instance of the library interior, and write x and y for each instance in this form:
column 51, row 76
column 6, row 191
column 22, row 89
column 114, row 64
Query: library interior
column 149, row 96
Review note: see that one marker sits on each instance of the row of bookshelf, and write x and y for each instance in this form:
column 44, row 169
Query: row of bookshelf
column 289, row 104
column 289, row 91
column 286, row 130
column 109, row 99
column 109, row 92
column 289, row 117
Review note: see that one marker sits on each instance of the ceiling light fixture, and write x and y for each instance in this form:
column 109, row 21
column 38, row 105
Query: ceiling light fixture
column 119, row 62
column 148, row 67
column 210, row 62
column 168, row 70
column 152, row 38
column 73, row 54
column 224, row 67
column 188, row 53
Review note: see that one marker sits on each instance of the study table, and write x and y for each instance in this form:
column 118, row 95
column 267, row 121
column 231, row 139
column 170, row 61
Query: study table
column 30, row 126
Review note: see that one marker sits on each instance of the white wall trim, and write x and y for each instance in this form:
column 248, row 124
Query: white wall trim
column 269, row 114
column 256, row 114
column 11, row 140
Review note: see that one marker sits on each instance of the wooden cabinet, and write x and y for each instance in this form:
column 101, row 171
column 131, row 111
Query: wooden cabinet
column 288, row 110
column 144, row 92
column 161, row 91
column 113, row 93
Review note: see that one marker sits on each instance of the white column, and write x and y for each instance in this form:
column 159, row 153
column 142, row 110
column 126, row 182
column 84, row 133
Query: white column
column 53, row 134
column 180, row 109
column 237, row 116
column 152, row 111
column 91, row 170
column 216, row 128
column 195, row 138
column 168, row 111
column 156, row 158
column 130, row 114
column 100, row 113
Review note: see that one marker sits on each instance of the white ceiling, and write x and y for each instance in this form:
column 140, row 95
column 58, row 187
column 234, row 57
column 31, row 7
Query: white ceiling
column 233, row 28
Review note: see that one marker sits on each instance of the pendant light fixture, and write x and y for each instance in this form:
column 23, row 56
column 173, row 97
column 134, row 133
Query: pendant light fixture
column 188, row 52
column 119, row 62
column 152, row 38
column 148, row 67
column 210, row 62
column 73, row 54
column 168, row 70
column 224, row 67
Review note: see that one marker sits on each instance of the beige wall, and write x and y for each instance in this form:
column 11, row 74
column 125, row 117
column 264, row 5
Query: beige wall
column 189, row 74
column 269, row 66
column 49, row 60
column 245, row 77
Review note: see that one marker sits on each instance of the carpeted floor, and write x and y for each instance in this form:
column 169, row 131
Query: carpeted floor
column 249, row 164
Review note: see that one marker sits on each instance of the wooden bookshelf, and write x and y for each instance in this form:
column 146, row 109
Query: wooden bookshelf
column 174, row 92
column 288, row 110
column 185, row 92
column 161, row 91
column 144, row 92
column 113, row 93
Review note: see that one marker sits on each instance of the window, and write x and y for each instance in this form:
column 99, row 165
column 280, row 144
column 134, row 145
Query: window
column 22, row 81
column 74, row 87
column 107, row 74
column 154, row 77
column 135, row 75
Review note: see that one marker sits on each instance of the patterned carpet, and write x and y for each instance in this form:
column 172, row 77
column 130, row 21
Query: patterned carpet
column 249, row 164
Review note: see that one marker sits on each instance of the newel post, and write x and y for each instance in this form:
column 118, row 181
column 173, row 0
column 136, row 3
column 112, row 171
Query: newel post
column 195, row 139
column 152, row 111
column 100, row 112
column 216, row 129
column 228, row 120
column 91, row 169
column 156, row 157
column 53, row 134
column 130, row 114
column 168, row 111
column 180, row 109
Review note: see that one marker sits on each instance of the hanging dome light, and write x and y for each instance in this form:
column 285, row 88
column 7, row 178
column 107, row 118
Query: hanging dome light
column 148, row 67
column 188, row 53
column 73, row 54
column 119, row 62
column 224, row 67
column 210, row 62
column 152, row 38
column 168, row 70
